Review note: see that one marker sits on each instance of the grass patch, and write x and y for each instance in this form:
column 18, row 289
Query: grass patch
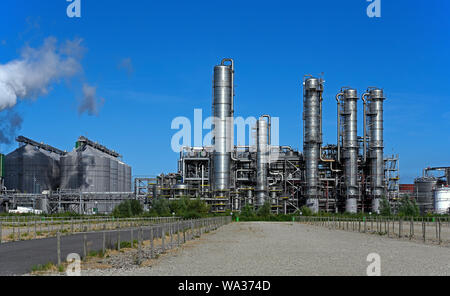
column 125, row 244
column 42, row 267
column 99, row 254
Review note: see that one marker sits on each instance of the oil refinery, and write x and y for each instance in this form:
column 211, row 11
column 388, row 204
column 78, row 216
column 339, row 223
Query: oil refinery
column 351, row 176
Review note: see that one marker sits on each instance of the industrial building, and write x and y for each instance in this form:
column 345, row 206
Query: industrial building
column 432, row 192
column 349, row 176
column 89, row 179
column 352, row 175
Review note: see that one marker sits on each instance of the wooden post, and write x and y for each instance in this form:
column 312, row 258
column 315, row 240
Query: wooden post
column 85, row 246
column 104, row 243
column 178, row 234
column 439, row 237
column 163, row 237
column 424, row 230
column 132, row 238
column 171, row 235
column 118, row 240
column 140, row 245
column 58, row 247
column 151, row 243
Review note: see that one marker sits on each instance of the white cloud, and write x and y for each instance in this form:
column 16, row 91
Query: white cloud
column 32, row 75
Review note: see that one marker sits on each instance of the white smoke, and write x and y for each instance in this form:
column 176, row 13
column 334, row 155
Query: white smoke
column 36, row 70
column 90, row 102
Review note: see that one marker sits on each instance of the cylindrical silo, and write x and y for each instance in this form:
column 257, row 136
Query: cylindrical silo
column 374, row 115
column 121, row 176
column 350, row 148
column 312, row 138
column 86, row 169
column 441, row 200
column 114, row 175
column 127, row 178
column 30, row 169
column 223, row 125
column 262, row 160
column 423, row 192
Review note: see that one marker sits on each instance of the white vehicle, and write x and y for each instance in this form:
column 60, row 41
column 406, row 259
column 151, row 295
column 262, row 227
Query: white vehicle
column 24, row 210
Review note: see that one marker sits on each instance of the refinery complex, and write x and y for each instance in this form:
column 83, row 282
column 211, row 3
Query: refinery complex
column 353, row 175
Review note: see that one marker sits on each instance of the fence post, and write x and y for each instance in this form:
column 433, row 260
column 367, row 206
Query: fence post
column 139, row 245
column 171, row 234
column 84, row 246
column 151, row 242
column 104, row 243
column 58, row 247
column 132, row 238
column 163, row 236
column 436, row 224
column 118, row 240
column 439, row 222
column 411, row 228
column 178, row 233
column 424, row 230
column 400, row 228
column 1, row 234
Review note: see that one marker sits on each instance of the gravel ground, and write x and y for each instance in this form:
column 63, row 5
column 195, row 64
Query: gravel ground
column 265, row 249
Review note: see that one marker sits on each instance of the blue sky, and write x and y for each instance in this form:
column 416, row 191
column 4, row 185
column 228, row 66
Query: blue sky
column 174, row 45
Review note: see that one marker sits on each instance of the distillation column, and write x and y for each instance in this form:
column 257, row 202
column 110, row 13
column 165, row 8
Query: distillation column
column 312, row 138
column 375, row 125
column 262, row 160
column 223, row 126
column 350, row 149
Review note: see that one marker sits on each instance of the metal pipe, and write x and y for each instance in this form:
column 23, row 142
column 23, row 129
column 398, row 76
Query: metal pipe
column 339, row 126
column 363, row 98
column 262, row 160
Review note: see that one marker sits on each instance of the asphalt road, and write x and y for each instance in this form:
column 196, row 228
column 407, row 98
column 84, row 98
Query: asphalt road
column 17, row 258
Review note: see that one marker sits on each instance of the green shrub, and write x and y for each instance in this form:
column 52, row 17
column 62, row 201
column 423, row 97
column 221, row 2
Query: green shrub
column 385, row 207
column 306, row 211
column 408, row 207
column 128, row 208
column 265, row 211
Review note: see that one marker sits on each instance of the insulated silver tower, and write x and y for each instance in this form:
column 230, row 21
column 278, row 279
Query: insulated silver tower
column 262, row 159
column 374, row 115
column 348, row 115
column 223, row 125
column 312, row 138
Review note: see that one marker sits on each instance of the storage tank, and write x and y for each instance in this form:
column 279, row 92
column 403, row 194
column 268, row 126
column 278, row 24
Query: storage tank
column 441, row 200
column 423, row 192
column 86, row 169
column 30, row 169
column 114, row 175
column 312, row 138
column 127, row 178
column 121, row 177
column 223, row 125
